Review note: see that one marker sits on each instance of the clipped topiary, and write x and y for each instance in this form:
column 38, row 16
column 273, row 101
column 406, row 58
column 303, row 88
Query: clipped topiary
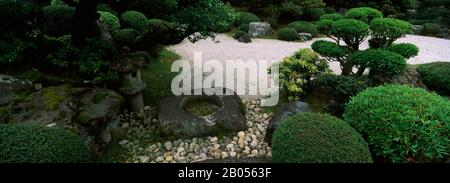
column 325, row 26
column 110, row 20
column 135, row 20
column 318, row 138
column 24, row 143
column 431, row 29
column 244, row 27
column 330, row 50
column 379, row 61
column 407, row 50
column 436, row 76
column 402, row 124
column 332, row 16
column 239, row 34
column 352, row 32
column 304, row 27
column 58, row 19
column 127, row 37
column 287, row 34
column 246, row 18
column 386, row 30
column 245, row 38
column 364, row 14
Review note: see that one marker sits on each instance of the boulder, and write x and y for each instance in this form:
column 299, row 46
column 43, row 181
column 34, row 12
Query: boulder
column 176, row 121
column 90, row 112
column 284, row 111
column 304, row 36
column 259, row 29
column 12, row 89
column 409, row 77
column 245, row 39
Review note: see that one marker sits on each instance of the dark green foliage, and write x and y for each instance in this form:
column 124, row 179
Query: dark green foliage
column 330, row 50
column 244, row 27
column 239, row 34
column 289, row 11
column 245, row 38
column 352, row 32
column 22, row 143
column 325, row 26
column 318, row 138
column 155, row 8
column 313, row 14
column 135, row 20
column 127, row 37
column 287, row 34
column 329, row 10
column 432, row 29
column 436, row 76
column 246, row 18
column 364, row 14
column 380, row 61
column 110, row 20
column 273, row 21
column 58, row 19
column 407, row 50
column 90, row 62
column 304, row 27
column 338, row 90
column 161, row 31
column 332, row 16
column 386, row 30
column 402, row 124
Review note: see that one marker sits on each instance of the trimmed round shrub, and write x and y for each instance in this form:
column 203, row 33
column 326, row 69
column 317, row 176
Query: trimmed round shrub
column 245, row 38
column 111, row 21
column 350, row 30
column 239, row 34
column 246, row 18
column 244, row 27
column 325, row 26
column 127, row 37
column 24, row 143
column 386, row 30
column 431, row 29
column 58, row 19
column 364, row 14
column 407, row 50
column 332, row 16
column 287, row 34
column 436, row 76
column 402, row 124
column 318, row 138
column 329, row 10
column 135, row 20
column 329, row 49
column 380, row 61
column 304, row 27
column 313, row 14
column 158, row 25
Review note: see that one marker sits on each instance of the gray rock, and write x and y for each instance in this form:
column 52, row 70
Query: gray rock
column 13, row 89
column 245, row 39
column 177, row 122
column 417, row 29
column 259, row 29
column 304, row 36
column 284, row 111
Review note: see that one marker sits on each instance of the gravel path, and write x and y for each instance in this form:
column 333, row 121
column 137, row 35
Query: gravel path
column 226, row 48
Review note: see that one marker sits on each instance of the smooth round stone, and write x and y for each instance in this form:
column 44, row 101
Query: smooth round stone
column 241, row 134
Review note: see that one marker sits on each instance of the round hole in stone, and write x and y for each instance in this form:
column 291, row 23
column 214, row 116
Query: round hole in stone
column 201, row 105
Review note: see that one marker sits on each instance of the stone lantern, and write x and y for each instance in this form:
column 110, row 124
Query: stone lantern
column 128, row 65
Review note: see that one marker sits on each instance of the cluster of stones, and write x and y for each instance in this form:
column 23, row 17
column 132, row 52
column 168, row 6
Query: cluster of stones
column 244, row 144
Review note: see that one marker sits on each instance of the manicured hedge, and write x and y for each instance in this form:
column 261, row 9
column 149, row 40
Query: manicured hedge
column 287, row 34
column 436, row 76
column 134, row 20
column 246, row 18
column 318, row 138
column 304, row 27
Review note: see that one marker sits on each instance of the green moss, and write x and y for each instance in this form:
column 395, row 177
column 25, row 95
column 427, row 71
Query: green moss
column 201, row 108
column 53, row 96
column 83, row 119
column 98, row 97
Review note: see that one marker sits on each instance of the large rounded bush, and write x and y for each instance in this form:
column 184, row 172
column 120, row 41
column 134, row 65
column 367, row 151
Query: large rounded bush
column 304, row 27
column 127, row 37
column 22, row 143
column 110, row 20
column 325, row 26
column 332, row 16
column 318, row 138
column 407, row 50
column 246, row 18
column 58, row 19
column 386, row 30
column 380, row 61
column 287, row 34
column 329, row 49
column 364, row 14
column 402, row 124
column 135, row 20
column 431, row 29
column 159, row 26
column 436, row 76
